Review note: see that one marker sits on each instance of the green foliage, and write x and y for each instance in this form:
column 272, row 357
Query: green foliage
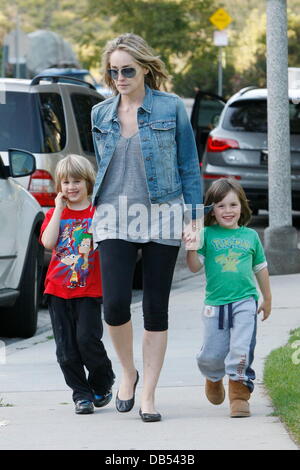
column 178, row 30
column 294, row 39
column 65, row 17
column 282, row 380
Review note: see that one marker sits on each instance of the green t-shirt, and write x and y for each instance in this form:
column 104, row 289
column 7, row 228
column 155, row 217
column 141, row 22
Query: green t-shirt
column 230, row 255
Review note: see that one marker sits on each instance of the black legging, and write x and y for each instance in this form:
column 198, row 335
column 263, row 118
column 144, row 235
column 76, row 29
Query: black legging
column 118, row 259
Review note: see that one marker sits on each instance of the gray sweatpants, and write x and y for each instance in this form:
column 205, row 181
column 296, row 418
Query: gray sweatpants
column 229, row 350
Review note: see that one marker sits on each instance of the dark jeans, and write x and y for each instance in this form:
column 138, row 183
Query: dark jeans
column 118, row 260
column 77, row 327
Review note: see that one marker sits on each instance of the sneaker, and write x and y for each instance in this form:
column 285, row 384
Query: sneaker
column 84, row 407
column 103, row 400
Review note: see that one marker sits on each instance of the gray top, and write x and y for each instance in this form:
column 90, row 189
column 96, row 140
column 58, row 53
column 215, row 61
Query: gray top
column 125, row 211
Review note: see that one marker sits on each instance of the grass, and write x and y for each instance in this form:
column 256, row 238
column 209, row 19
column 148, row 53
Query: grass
column 282, row 380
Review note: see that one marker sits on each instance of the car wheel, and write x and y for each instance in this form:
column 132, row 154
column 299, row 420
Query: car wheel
column 21, row 319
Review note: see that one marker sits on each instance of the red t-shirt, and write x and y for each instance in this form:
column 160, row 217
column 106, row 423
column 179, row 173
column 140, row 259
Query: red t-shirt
column 74, row 269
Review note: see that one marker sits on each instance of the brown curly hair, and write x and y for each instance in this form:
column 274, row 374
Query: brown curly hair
column 218, row 190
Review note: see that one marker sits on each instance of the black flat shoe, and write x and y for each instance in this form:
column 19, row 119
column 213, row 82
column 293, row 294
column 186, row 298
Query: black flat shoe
column 123, row 406
column 150, row 417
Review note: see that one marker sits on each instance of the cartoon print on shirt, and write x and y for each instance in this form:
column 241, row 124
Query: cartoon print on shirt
column 71, row 260
column 84, row 247
column 73, row 250
column 229, row 261
column 65, row 236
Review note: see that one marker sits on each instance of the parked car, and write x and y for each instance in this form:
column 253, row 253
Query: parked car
column 80, row 74
column 21, row 255
column 49, row 119
column 238, row 146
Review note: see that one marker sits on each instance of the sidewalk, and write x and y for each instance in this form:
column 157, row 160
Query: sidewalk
column 42, row 416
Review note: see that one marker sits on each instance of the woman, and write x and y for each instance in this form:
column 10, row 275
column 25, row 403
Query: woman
column 146, row 156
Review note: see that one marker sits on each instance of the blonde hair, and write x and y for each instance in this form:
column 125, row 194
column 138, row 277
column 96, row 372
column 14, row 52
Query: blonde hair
column 75, row 166
column 218, row 190
column 143, row 55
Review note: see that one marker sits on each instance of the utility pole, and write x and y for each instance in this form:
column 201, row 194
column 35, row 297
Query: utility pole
column 280, row 237
column 220, row 72
column 220, row 19
column 17, row 45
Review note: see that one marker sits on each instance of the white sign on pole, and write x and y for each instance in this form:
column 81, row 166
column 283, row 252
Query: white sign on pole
column 220, row 38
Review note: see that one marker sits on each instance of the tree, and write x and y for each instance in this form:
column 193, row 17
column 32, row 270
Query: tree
column 179, row 31
column 248, row 52
column 65, row 17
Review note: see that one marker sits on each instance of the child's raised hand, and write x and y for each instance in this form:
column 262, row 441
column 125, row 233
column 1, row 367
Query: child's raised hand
column 265, row 307
column 60, row 201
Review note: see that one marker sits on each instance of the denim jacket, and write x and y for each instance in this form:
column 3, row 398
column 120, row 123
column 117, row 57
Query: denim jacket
column 167, row 144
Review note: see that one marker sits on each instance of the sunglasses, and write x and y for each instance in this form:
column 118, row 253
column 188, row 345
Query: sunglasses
column 127, row 72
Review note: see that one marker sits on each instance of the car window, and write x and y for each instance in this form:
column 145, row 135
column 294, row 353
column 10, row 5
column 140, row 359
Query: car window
column 53, row 122
column 251, row 116
column 19, row 122
column 246, row 115
column 82, row 105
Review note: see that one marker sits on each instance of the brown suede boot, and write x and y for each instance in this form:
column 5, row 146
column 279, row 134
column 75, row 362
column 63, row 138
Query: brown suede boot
column 215, row 391
column 239, row 395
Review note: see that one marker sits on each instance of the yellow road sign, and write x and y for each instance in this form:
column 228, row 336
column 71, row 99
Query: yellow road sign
column 221, row 19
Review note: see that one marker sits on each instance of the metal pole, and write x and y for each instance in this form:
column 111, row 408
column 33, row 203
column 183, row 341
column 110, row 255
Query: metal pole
column 220, row 72
column 278, row 116
column 17, row 46
column 280, row 236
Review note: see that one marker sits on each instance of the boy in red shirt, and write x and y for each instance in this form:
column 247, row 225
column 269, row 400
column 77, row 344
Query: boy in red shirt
column 73, row 287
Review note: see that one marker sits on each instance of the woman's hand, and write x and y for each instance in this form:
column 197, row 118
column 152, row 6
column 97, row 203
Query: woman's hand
column 191, row 235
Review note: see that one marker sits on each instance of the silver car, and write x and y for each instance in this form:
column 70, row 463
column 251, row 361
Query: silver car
column 49, row 119
column 21, row 254
column 237, row 146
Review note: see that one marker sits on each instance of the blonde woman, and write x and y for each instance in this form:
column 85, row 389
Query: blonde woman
column 147, row 159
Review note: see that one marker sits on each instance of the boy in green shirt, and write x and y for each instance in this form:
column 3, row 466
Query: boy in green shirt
column 233, row 256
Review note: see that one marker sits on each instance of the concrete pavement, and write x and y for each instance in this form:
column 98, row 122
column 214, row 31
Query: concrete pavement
column 41, row 414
